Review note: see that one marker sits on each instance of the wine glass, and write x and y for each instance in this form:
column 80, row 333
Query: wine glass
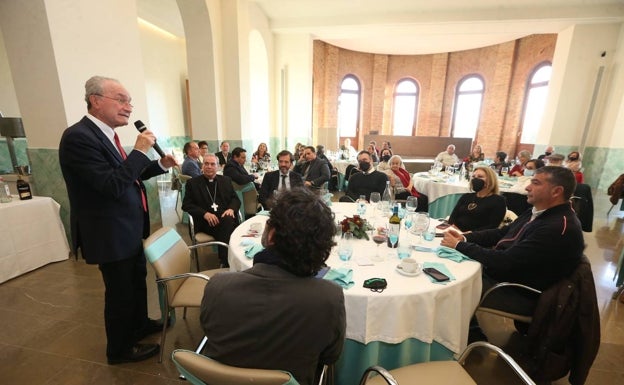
column 380, row 235
column 345, row 247
column 504, row 171
column 375, row 197
column 411, row 204
column 421, row 224
column 393, row 236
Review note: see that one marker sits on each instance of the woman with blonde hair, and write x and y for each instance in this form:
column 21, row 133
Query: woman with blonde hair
column 484, row 208
column 402, row 184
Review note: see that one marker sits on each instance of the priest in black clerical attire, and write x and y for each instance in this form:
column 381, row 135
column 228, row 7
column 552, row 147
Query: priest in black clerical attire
column 212, row 202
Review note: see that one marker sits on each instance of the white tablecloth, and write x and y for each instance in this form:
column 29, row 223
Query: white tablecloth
column 31, row 235
column 342, row 164
column 411, row 307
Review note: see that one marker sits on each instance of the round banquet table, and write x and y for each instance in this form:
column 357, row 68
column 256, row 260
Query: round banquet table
column 413, row 320
column 443, row 193
column 341, row 166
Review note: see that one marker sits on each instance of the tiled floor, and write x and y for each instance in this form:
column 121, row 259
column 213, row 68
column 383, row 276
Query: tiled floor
column 51, row 328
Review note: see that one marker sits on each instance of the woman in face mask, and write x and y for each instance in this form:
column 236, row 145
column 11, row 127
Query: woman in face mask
column 383, row 165
column 403, row 185
column 484, row 208
column 573, row 162
column 531, row 166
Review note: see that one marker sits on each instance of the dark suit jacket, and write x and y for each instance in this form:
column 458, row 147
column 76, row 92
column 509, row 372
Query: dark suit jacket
column 271, row 182
column 222, row 159
column 197, row 200
column 318, row 172
column 106, row 213
column 237, row 172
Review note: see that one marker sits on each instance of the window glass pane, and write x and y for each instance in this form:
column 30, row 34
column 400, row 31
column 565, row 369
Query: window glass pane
column 467, row 113
column 349, row 84
column 406, row 86
column 404, row 109
column 471, row 84
column 347, row 114
column 542, row 74
column 535, row 104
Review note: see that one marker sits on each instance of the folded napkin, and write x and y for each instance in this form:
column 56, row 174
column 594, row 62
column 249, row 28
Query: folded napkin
column 327, row 198
column 247, row 242
column 266, row 213
column 252, row 250
column 425, row 249
column 452, row 254
column 442, row 269
column 341, row 276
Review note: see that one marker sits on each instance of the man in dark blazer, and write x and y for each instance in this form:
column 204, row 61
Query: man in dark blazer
column 235, row 170
column 316, row 171
column 211, row 200
column 108, row 212
column 282, row 179
column 224, row 155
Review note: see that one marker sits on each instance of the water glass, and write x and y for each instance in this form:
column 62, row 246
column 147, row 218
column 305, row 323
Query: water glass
column 361, row 205
column 411, row 204
column 404, row 250
column 375, row 197
column 345, row 247
column 429, row 234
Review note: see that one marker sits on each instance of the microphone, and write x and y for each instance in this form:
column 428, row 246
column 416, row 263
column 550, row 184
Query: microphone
column 141, row 127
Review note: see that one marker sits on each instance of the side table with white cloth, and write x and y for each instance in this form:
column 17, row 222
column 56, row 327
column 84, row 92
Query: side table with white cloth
column 341, row 166
column 31, row 235
column 412, row 320
column 444, row 192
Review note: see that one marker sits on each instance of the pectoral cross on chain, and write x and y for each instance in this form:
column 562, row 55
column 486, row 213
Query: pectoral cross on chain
column 214, row 206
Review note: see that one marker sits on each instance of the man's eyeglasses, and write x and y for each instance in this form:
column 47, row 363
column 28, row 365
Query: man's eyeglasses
column 121, row 101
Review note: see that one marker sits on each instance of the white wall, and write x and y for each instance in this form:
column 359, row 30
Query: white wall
column 8, row 99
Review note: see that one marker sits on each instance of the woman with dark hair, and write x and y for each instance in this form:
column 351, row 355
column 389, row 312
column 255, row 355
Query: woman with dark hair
column 500, row 161
column 261, row 157
column 573, row 162
column 383, row 165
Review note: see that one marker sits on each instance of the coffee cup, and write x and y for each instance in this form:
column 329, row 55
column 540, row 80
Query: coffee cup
column 409, row 265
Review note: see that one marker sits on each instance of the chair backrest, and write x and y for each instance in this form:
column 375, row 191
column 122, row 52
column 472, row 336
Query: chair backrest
column 248, row 195
column 509, row 217
column 201, row 370
column 583, row 204
column 169, row 255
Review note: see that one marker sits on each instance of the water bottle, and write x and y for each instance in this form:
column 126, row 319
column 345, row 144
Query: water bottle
column 5, row 193
column 361, row 205
column 386, row 198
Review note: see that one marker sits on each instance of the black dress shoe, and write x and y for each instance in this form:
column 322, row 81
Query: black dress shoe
column 152, row 326
column 138, row 352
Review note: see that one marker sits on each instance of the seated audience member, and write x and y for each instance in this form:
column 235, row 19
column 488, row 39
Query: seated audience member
column 500, row 161
column 348, row 151
column 299, row 157
column 366, row 181
column 518, row 169
column 212, row 202
column 484, row 208
column 386, row 146
column 224, row 155
column 403, row 185
column 383, row 165
column 549, row 151
column 575, row 165
column 538, row 249
column 235, row 169
column 333, row 171
column 203, row 150
column 190, row 166
column 374, row 144
column 448, row 157
column 261, row 157
column 279, row 180
column 276, row 315
column 531, row 166
column 316, row 171
column 374, row 157
column 476, row 155
column 555, row 160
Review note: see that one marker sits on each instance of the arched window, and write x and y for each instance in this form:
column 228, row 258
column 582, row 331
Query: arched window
column 467, row 109
column 349, row 107
column 534, row 102
column 404, row 111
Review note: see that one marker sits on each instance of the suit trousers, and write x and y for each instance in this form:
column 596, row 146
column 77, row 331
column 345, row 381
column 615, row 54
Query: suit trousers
column 125, row 302
column 222, row 232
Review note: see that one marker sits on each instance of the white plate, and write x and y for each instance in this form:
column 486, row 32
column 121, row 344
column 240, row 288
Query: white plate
column 405, row 273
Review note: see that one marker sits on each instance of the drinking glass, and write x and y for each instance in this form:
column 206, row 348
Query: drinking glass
column 393, row 236
column 380, row 235
column 408, row 221
column 375, row 197
column 421, row 224
column 345, row 247
column 361, row 205
column 411, row 204
column 504, row 171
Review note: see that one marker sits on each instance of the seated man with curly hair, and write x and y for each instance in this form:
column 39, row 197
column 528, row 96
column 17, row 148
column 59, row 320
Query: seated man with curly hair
column 277, row 315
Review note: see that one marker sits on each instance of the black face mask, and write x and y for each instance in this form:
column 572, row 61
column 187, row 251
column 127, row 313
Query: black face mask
column 364, row 166
column 477, row 184
column 385, row 158
column 547, row 153
column 572, row 158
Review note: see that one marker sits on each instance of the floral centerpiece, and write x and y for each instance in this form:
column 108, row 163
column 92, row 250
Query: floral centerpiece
column 357, row 225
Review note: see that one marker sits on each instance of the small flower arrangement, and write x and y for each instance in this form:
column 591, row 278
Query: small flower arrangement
column 357, row 225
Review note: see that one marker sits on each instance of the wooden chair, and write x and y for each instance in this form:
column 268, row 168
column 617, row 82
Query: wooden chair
column 178, row 287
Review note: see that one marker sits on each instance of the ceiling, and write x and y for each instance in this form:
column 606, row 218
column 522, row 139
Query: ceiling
column 408, row 27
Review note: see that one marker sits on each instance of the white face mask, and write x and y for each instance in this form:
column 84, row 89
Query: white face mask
column 529, row 172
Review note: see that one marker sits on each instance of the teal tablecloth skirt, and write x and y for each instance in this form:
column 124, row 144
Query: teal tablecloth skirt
column 357, row 357
column 443, row 206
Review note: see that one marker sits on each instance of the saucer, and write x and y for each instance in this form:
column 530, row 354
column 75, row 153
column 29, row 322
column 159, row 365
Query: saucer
column 405, row 273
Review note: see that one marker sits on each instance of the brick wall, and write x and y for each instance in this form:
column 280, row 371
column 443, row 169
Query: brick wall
column 505, row 69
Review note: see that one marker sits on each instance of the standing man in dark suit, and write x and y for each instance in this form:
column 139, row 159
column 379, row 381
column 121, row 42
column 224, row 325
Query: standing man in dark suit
column 235, row 170
column 316, row 171
column 280, row 180
column 108, row 212
column 211, row 200
column 224, row 155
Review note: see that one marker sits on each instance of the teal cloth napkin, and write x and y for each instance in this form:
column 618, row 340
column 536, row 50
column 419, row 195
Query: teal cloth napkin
column 341, row 276
column 327, row 198
column 247, row 241
column 252, row 250
column 266, row 213
column 452, row 254
column 442, row 269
